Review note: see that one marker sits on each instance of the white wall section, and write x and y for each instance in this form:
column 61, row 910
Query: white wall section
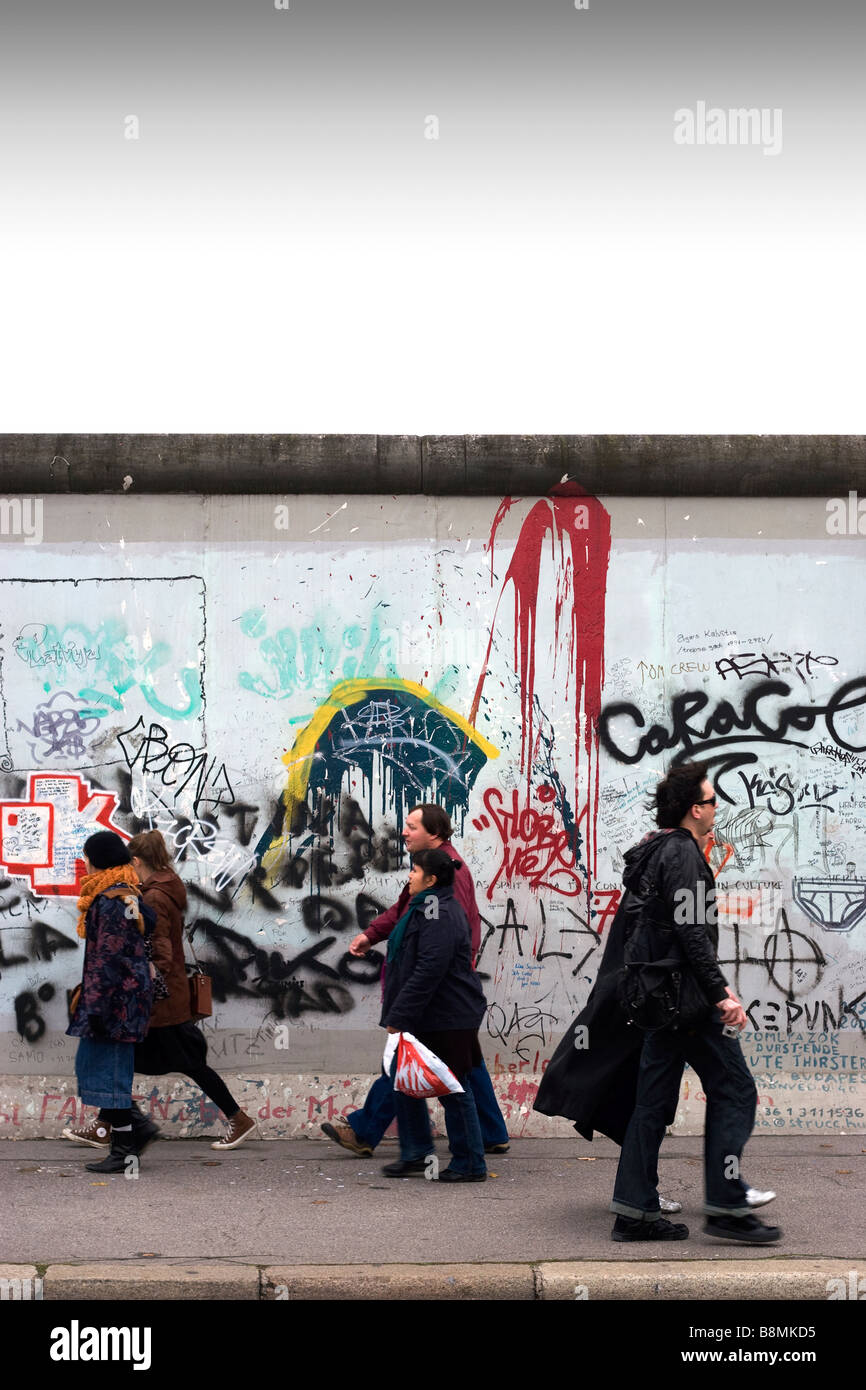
column 272, row 681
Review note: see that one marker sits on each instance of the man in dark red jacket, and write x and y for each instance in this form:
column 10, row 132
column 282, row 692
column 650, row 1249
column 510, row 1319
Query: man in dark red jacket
column 427, row 827
column 434, row 834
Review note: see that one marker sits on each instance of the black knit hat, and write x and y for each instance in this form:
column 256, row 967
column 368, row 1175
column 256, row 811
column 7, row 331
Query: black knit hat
column 105, row 850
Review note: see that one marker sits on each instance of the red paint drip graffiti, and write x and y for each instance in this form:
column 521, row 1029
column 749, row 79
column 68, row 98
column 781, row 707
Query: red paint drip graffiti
column 577, row 529
column 532, row 848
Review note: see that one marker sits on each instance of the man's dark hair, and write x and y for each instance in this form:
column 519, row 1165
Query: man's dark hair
column 436, row 863
column 434, row 820
column 679, row 790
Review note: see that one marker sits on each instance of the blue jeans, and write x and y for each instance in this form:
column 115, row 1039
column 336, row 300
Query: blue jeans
column 379, row 1110
column 104, row 1073
column 461, row 1124
column 731, row 1101
column 493, row 1130
column 377, row 1113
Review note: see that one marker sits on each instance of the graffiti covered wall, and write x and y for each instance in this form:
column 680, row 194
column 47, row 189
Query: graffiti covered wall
column 273, row 682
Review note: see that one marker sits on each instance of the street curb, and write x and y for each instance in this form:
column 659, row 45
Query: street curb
column 151, row 1279
column 18, row 1282
column 773, row 1279
column 703, row 1280
column 462, row 1282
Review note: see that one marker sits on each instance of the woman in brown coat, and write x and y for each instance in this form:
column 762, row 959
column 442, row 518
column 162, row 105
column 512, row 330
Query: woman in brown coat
column 173, row 1042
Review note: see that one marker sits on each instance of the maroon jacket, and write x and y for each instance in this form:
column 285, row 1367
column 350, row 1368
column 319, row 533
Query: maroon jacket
column 166, row 894
column 382, row 926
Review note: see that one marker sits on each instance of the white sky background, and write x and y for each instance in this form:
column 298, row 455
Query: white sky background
column 282, row 249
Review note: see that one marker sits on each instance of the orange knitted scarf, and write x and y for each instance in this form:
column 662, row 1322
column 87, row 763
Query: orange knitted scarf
column 94, row 884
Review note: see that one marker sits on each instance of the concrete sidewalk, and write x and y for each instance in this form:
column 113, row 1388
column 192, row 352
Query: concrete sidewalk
column 298, row 1218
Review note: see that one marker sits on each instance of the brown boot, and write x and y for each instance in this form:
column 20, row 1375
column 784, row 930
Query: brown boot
column 345, row 1136
column 240, row 1128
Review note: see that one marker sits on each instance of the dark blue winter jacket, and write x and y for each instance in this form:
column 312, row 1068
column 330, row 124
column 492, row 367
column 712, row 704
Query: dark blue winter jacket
column 431, row 986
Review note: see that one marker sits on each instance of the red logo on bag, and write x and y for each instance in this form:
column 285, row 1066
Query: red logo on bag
column 415, row 1078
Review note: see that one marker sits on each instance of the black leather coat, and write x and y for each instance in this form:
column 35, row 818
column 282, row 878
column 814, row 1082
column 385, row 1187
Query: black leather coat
column 676, row 884
column 595, row 1086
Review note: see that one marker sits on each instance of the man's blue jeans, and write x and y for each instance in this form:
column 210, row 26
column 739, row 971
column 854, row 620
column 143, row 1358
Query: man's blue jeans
column 379, row 1110
column 731, row 1101
column 377, row 1113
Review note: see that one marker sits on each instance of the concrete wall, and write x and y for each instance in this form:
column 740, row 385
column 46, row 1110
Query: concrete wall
column 271, row 680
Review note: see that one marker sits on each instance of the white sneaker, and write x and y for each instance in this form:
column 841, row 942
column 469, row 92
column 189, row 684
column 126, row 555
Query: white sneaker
column 754, row 1198
column 666, row 1205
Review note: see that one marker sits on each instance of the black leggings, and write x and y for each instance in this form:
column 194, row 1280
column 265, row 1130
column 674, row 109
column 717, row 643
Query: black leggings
column 214, row 1088
column 205, row 1078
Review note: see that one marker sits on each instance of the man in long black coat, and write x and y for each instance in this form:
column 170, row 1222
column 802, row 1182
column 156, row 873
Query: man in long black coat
column 595, row 1083
column 608, row 1075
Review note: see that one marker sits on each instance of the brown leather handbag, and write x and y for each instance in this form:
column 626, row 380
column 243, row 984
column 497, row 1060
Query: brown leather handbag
column 200, row 996
column 200, row 992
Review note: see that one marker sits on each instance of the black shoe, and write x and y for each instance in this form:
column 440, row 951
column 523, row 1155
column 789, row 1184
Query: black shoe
column 496, row 1148
column 143, row 1131
column 402, row 1169
column 627, row 1228
column 449, row 1175
column 745, row 1228
column 123, row 1157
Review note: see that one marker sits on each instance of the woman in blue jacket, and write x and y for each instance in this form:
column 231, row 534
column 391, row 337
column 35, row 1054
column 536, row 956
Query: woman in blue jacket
column 432, row 991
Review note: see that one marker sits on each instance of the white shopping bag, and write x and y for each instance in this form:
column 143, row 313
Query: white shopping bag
column 420, row 1072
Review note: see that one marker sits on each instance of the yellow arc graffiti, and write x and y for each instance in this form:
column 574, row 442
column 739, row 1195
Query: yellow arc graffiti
column 299, row 757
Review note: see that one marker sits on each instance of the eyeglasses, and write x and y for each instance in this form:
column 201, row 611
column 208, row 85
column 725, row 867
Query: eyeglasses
column 707, row 801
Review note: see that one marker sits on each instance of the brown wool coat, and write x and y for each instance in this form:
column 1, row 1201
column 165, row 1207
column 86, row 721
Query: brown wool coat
column 165, row 893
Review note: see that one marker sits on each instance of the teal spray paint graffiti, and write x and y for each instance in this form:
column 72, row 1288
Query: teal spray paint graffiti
column 109, row 656
column 315, row 656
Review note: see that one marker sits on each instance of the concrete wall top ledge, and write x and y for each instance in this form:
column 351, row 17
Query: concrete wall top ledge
column 436, row 465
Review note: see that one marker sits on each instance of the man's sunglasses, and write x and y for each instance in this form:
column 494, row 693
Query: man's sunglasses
column 707, row 801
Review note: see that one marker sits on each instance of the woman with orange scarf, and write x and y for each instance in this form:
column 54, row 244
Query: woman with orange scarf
column 112, row 1011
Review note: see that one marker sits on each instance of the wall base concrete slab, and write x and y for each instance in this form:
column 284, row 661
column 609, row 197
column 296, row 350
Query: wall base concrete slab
column 285, row 1105
column 294, row 1105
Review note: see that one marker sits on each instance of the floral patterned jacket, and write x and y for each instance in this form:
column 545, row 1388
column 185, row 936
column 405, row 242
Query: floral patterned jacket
column 116, row 988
